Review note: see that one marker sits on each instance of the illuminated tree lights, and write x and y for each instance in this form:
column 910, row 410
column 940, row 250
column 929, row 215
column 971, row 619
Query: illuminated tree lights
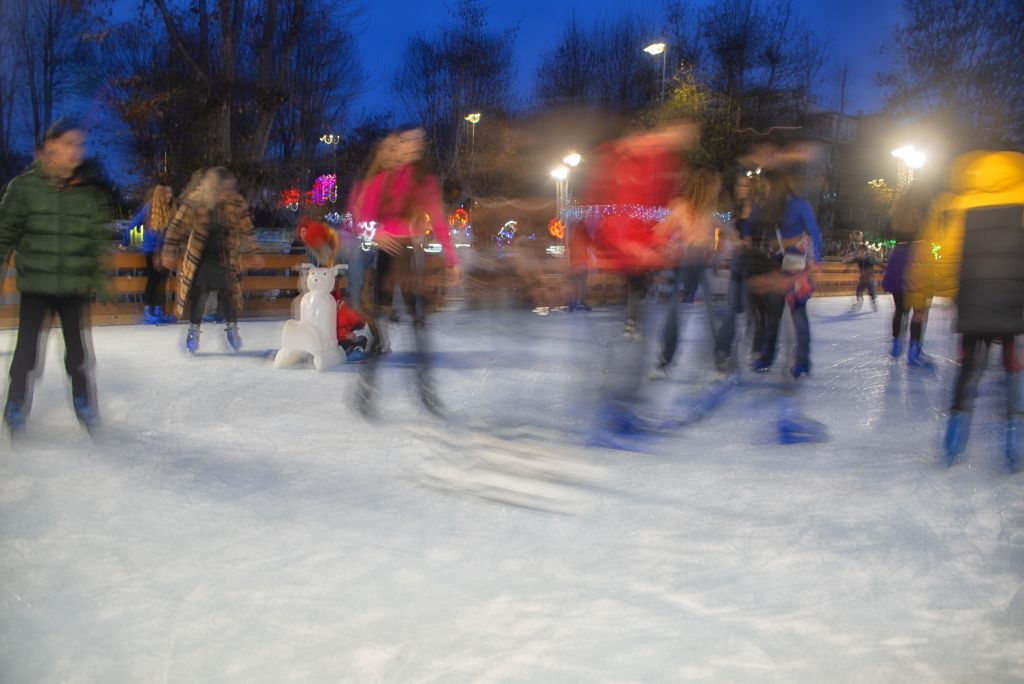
column 325, row 190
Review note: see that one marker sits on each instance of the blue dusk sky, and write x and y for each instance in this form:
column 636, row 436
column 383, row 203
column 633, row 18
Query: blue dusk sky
column 858, row 30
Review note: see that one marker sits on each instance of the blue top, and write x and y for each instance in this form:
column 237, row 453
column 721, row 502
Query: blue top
column 797, row 219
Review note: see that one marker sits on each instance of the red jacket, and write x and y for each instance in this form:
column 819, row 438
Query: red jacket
column 632, row 183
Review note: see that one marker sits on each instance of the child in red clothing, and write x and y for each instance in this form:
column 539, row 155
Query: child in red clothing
column 351, row 332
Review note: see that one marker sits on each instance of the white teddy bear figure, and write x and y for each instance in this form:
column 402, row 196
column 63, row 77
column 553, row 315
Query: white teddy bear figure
column 316, row 332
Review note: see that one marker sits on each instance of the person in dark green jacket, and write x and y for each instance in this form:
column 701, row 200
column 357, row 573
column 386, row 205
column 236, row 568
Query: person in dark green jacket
column 55, row 217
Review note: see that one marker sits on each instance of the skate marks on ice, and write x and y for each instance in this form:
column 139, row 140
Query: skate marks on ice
column 525, row 467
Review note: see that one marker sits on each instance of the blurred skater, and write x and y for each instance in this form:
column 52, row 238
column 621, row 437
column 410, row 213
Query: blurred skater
column 909, row 270
column 214, row 225
column 694, row 233
column 397, row 200
column 156, row 216
column 55, row 217
column 865, row 263
column 979, row 228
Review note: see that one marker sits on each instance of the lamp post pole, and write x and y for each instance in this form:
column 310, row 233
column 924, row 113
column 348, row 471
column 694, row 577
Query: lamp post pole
column 655, row 49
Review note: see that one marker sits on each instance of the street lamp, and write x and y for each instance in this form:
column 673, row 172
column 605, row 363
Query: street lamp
column 655, row 49
column 910, row 159
column 561, row 176
column 572, row 159
column 474, row 119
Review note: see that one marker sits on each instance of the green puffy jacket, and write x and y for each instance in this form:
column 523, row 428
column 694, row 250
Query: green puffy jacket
column 59, row 230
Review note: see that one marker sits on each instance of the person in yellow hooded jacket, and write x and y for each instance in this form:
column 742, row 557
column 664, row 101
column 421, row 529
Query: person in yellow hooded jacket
column 978, row 226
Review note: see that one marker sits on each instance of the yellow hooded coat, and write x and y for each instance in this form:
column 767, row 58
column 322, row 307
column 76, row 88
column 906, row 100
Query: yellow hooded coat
column 977, row 180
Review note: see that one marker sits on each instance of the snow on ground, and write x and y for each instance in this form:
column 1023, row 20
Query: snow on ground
column 236, row 523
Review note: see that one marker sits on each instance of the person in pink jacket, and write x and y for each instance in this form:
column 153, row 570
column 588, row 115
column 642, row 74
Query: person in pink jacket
column 403, row 203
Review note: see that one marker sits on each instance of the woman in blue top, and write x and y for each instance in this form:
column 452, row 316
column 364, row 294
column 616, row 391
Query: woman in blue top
column 788, row 219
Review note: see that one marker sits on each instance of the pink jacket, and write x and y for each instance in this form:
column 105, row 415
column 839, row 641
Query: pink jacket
column 387, row 199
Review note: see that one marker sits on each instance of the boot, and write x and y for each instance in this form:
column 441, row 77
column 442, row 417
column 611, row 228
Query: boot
column 149, row 316
column 163, row 317
column 15, row 416
column 192, row 338
column 86, row 413
column 955, row 440
column 234, row 338
column 916, row 358
column 897, row 348
column 1015, row 421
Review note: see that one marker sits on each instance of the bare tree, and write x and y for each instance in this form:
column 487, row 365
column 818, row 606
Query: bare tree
column 567, row 73
column 46, row 36
column 464, row 67
column 245, row 70
column 961, row 61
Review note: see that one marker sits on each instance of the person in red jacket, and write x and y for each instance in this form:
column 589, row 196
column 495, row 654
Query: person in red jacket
column 634, row 182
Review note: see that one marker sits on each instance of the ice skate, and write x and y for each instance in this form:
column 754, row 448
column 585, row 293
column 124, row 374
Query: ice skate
column 86, row 413
column 955, row 439
column 917, row 358
column 15, row 417
column 234, row 338
column 192, row 339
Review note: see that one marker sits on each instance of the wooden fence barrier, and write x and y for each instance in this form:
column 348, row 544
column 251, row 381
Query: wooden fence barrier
column 270, row 288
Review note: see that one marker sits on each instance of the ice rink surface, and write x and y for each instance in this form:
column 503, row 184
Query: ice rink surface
column 235, row 523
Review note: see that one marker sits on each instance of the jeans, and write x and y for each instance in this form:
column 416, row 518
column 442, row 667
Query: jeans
column 802, row 326
column 735, row 300
column 359, row 262
column 686, row 278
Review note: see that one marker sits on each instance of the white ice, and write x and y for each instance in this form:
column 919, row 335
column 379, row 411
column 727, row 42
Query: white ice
column 236, row 523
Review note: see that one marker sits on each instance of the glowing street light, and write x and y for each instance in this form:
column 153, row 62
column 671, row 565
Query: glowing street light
column 910, row 159
column 560, row 173
column 330, row 138
column 572, row 159
column 911, row 156
column 655, row 49
column 473, row 118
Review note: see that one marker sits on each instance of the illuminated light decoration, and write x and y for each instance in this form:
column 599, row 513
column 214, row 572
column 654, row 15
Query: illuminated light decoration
column 135, row 234
column 366, row 231
column 507, row 232
column 325, row 190
column 643, row 212
column 459, row 219
column 556, row 228
column 935, row 251
column 473, row 118
column 290, row 199
column 556, row 250
column 432, row 248
column 332, row 217
column 330, row 138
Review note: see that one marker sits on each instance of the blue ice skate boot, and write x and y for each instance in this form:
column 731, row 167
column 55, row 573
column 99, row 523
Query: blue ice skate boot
column 163, row 317
column 15, row 417
column 356, row 355
column 762, row 365
column 192, row 339
column 897, row 348
column 234, row 338
column 955, row 439
column 1015, row 421
column 86, row 413
column 799, row 370
column 917, row 358
column 1015, row 443
column 149, row 316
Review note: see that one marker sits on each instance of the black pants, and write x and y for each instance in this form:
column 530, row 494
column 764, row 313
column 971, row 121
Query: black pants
column 973, row 354
column 899, row 317
column 153, row 295
column 35, row 309
column 224, row 299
